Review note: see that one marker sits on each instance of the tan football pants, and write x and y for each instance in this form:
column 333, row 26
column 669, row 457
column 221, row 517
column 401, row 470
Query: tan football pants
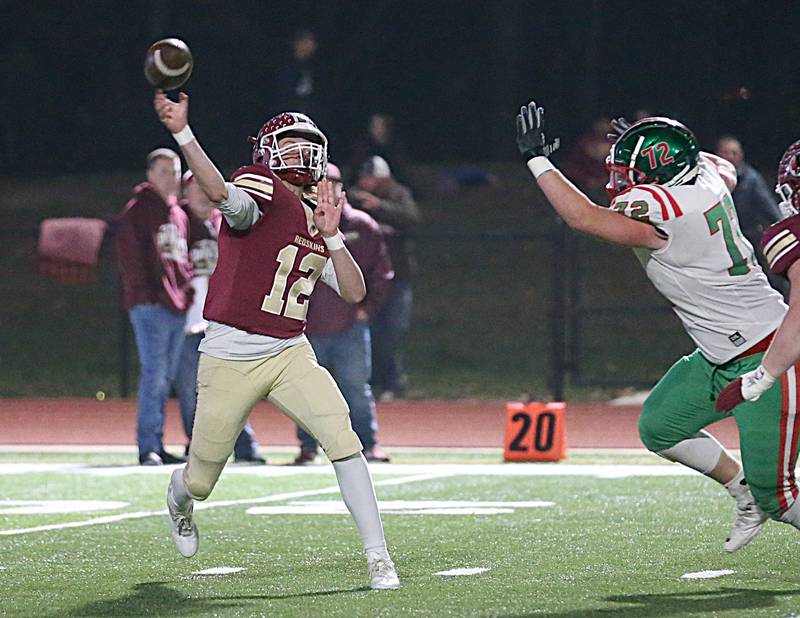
column 227, row 391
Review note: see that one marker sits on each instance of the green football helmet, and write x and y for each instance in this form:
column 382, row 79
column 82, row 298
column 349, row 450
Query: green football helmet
column 657, row 151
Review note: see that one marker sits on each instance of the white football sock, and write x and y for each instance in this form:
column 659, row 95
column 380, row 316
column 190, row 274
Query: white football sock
column 358, row 493
column 737, row 485
column 180, row 494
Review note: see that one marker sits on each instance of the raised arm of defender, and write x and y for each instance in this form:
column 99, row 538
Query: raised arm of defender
column 575, row 208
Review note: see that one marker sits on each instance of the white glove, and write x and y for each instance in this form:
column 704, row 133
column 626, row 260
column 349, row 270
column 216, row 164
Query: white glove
column 755, row 383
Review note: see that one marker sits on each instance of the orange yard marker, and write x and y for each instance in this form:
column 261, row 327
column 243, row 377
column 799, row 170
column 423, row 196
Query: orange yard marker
column 535, row 432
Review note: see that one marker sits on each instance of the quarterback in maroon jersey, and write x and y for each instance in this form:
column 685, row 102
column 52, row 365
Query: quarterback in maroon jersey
column 279, row 236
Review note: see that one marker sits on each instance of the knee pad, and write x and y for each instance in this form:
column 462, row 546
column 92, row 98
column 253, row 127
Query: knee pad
column 343, row 445
column 201, row 476
column 197, row 489
column 701, row 452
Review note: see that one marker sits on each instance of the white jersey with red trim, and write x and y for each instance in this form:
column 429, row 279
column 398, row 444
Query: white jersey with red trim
column 707, row 270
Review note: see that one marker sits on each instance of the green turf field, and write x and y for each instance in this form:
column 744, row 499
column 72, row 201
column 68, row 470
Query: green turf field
column 601, row 535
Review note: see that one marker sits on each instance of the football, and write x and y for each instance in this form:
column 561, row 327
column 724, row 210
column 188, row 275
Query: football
column 168, row 64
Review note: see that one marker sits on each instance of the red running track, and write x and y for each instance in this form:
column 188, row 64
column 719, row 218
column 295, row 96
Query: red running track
column 464, row 423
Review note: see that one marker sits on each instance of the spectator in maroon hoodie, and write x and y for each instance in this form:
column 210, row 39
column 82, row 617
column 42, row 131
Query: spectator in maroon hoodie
column 156, row 280
column 339, row 331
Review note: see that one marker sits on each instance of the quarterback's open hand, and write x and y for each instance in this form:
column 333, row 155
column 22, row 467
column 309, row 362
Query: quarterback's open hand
column 531, row 140
column 328, row 212
column 174, row 116
column 747, row 387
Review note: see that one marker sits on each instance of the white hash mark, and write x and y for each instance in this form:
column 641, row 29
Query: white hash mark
column 219, row 571
column 707, row 574
column 455, row 572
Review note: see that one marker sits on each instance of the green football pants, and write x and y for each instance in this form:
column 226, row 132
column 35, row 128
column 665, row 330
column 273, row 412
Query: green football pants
column 682, row 403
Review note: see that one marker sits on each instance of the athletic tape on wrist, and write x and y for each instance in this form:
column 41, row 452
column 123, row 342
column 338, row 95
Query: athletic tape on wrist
column 334, row 242
column 766, row 377
column 184, row 136
column 539, row 166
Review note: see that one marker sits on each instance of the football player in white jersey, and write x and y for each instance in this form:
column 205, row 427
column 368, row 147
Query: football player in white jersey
column 672, row 204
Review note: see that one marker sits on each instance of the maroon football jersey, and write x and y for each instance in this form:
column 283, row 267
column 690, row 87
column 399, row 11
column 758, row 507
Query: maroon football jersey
column 780, row 244
column 265, row 274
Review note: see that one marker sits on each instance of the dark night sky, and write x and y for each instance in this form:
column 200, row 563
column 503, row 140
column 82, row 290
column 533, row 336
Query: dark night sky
column 453, row 73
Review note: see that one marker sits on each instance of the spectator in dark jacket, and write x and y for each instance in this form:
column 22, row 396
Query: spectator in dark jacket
column 393, row 207
column 755, row 203
column 156, row 280
column 339, row 332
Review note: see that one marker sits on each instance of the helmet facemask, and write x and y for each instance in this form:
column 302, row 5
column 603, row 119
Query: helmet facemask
column 788, row 188
column 311, row 153
column 312, row 156
column 621, row 178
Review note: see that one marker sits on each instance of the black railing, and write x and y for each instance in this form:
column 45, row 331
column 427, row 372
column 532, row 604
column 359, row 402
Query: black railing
column 563, row 311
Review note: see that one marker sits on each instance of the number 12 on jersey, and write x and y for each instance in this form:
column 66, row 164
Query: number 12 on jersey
column 311, row 265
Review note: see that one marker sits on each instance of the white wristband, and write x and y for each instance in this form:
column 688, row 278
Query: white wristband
column 184, row 136
column 334, row 242
column 756, row 382
column 539, row 166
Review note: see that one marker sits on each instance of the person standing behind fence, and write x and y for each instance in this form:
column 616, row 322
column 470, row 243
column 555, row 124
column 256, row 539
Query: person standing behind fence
column 380, row 138
column 393, row 207
column 297, row 85
column 339, row 331
column 156, row 280
column 204, row 223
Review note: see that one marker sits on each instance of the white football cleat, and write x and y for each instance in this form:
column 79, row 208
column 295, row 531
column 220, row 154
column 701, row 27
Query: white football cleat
column 382, row 575
column 747, row 523
column 183, row 529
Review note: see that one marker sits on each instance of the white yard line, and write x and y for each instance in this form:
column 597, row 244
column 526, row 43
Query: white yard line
column 210, row 505
column 607, row 471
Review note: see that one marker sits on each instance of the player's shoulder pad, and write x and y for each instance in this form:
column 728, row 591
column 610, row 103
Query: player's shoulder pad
column 257, row 180
column 651, row 203
column 780, row 244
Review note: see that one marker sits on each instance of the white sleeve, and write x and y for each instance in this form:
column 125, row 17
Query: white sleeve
column 240, row 209
column 329, row 276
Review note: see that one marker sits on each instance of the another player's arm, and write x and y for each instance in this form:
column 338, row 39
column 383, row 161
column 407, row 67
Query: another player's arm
column 577, row 210
column 327, row 215
column 725, row 168
column 784, row 350
column 583, row 215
